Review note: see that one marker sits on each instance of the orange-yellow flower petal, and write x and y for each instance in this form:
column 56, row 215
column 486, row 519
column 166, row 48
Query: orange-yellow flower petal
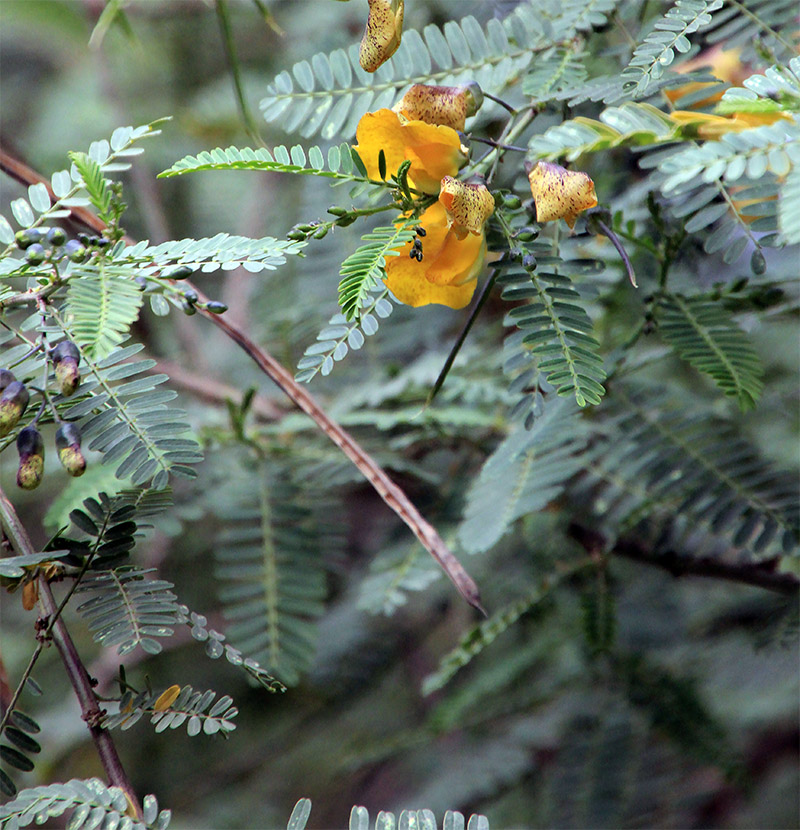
column 711, row 126
column 446, row 105
column 448, row 272
column 560, row 193
column 468, row 206
column 724, row 64
column 434, row 152
column 383, row 33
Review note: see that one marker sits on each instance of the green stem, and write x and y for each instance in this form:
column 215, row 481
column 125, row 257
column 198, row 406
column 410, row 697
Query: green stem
column 233, row 61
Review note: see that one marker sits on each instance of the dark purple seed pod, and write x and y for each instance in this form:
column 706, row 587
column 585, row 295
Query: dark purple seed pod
column 6, row 377
column 13, row 403
column 31, row 458
column 68, row 444
column 66, row 358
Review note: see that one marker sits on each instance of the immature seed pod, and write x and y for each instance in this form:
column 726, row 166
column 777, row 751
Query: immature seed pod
column 6, row 377
column 68, row 444
column 28, row 237
column 177, row 272
column 31, row 458
column 13, row 403
column 66, row 358
column 75, row 250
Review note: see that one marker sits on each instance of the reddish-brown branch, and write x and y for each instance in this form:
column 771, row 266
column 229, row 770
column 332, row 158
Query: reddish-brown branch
column 76, row 671
column 759, row 574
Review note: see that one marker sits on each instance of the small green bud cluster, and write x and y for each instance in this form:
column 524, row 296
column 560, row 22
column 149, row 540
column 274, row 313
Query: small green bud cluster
column 51, row 245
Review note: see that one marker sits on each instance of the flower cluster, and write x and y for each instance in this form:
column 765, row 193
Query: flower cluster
column 444, row 262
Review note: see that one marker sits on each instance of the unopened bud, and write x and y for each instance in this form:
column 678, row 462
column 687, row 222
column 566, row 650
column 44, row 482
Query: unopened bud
column 383, row 33
column 68, row 444
column 6, row 377
column 296, row 235
column 56, row 236
column 31, row 458
column 511, row 201
column 75, row 250
column 468, row 206
column 13, row 403
column 337, row 211
column 216, row 307
column 28, row 237
column 66, row 358
column 35, row 254
column 177, row 272
column 446, row 106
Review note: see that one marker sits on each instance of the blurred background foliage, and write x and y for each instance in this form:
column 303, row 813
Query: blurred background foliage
column 620, row 695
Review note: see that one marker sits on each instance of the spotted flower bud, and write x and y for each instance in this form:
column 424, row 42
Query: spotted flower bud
column 447, row 105
column 13, row 403
column 68, row 444
column 31, row 458
column 383, row 33
column 468, row 206
column 559, row 193
column 66, row 358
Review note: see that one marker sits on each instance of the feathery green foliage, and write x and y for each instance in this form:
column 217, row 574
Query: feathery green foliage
column 90, row 800
column 703, row 333
column 191, row 709
column 272, row 579
column 669, row 35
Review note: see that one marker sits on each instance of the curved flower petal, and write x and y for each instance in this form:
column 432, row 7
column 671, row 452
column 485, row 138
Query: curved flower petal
column 560, row 193
column 443, row 105
column 707, row 125
column 468, row 206
column 383, row 33
column 434, row 152
column 448, row 272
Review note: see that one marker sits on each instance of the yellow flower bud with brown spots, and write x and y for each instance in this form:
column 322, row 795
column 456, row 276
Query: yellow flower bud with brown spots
column 441, row 105
column 560, row 193
column 468, row 206
column 383, row 33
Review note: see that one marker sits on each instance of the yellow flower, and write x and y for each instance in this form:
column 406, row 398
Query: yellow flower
column 713, row 126
column 448, row 272
column 434, row 151
column 383, row 33
column 560, row 193
column 724, row 64
column 468, row 206
column 447, row 105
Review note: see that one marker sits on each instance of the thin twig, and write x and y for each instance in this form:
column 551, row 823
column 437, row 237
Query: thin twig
column 476, row 310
